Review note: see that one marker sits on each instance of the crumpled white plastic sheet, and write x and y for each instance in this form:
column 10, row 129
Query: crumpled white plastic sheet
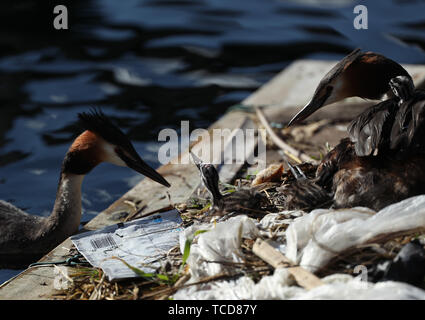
column 313, row 239
column 279, row 287
column 353, row 289
column 276, row 286
column 272, row 223
column 219, row 245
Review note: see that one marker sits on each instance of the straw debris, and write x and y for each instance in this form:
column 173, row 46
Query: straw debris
column 174, row 274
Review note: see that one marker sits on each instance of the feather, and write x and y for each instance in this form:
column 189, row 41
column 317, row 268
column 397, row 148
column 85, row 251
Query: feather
column 369, row 130
column 96, row 121
column 408, row 128
column 415, row 131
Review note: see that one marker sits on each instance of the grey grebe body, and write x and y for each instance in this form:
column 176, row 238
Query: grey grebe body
column 24, row 238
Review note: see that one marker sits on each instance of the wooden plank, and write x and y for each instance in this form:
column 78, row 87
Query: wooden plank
column 37, row 283
column 283, row 96
column 227, row 167
column 279, row 142
column 231, row 165
column 181, row 173
column 276, row 259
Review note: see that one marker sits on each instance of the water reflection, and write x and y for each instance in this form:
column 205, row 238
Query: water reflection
column 151, row 64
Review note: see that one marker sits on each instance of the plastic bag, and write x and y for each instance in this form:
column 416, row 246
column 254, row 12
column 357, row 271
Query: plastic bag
column 312, row 240
column 279, row 286
column 217, row 246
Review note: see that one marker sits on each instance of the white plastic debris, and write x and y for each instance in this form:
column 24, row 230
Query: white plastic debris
column 219, row 245
column 276, row 286
column 279, row 286
column 140, row 243
column 274, row 224
column 358, row 290
column 312, row 240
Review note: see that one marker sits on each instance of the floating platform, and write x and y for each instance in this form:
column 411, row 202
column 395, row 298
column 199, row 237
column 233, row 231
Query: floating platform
column 280, row 98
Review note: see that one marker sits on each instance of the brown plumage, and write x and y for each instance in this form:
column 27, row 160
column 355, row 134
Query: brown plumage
column 383, row 160
column 243, row 200
column 304, row 194
column 372, row 181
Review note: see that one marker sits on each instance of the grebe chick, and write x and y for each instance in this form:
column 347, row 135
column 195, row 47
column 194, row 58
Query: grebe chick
column 303, row 193
column 25, row 238
column 243, row 200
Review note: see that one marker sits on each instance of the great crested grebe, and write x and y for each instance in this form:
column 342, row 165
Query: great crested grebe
column 243, row 200
column 383, row 160
column 23, row 237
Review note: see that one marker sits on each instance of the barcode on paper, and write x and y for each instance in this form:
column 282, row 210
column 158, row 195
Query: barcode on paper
column 103, row 242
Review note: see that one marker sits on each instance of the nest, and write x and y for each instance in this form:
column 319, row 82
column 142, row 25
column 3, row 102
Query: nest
column 91, row 284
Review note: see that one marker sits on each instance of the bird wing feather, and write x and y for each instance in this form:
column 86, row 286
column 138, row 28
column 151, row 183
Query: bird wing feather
column 409, row 125
column 369, row 130
column 13, row 224
column 416, row 127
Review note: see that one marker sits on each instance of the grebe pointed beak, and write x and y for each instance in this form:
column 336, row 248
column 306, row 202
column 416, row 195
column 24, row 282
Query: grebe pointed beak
column 305, row 112
column 196, row 160
column 137, row 164
column 143, row 168
column 319, row 99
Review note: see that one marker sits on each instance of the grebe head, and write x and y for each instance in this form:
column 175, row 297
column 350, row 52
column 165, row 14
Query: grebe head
column 402, row 87
column 209, row 177
column 365, row 75
column 102, row 141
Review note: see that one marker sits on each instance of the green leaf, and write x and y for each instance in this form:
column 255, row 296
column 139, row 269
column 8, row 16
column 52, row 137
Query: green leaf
column 207, row 206
column 186, row 252
column 163, row 277
column 187, row 245
column 199, row 232
column 139, row 272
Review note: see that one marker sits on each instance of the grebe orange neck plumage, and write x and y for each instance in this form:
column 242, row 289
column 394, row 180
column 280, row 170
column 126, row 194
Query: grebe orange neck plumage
column 24, row 237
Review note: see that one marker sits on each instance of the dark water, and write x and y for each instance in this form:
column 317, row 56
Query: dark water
column 150, row 64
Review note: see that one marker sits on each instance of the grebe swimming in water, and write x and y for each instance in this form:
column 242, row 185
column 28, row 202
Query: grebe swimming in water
column 25, row 238
column 383, row 160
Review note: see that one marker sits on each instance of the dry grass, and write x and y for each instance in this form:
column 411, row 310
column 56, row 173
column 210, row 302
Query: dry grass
column 91, row 284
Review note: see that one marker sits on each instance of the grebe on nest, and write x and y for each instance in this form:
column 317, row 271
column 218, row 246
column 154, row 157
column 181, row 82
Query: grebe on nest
column 383, row 160
column 25, row 238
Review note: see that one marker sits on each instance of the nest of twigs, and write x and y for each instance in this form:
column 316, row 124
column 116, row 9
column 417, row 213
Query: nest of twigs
column 91, row 283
